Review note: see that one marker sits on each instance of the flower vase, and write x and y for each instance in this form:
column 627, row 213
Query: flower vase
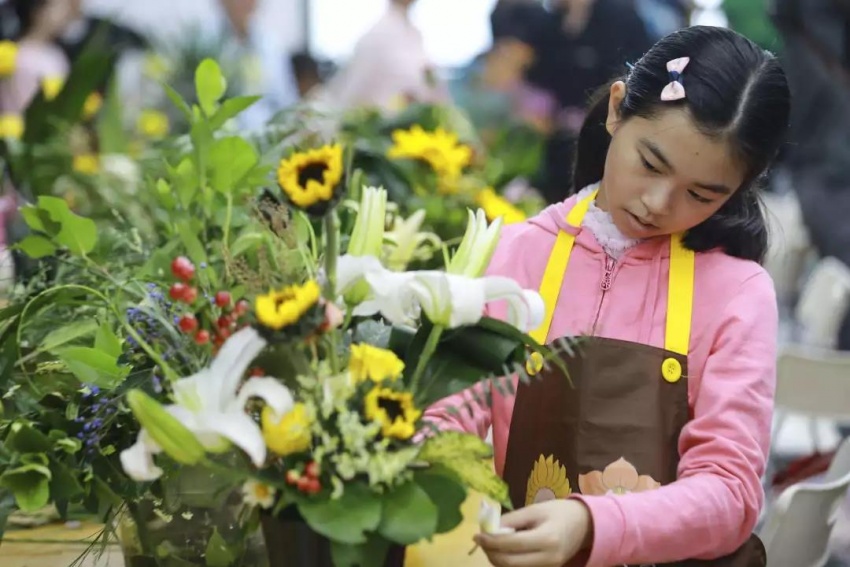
column 291, row 542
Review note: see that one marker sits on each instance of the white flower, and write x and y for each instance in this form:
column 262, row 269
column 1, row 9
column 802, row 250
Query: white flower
column 477, row 247
column 490, row 518
column 405, row 243
column 367, row 236
column 212, row 406
column 256, row 493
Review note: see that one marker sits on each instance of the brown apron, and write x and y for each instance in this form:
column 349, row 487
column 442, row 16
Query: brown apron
column 616, row 428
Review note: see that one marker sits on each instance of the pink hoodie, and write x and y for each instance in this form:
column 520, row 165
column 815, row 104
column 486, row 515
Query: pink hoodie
column 713, row 506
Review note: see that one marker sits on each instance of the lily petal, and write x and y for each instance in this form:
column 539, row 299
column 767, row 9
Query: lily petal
column 351, row 269
column 276, row 395
column 392, row 296
column 234, row 358
column 137, row 461
column 525, row 308
column 241, row 430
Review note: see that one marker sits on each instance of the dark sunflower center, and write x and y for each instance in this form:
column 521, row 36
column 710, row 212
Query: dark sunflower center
column 282, row 298
column 313, row 172
column 392, row 407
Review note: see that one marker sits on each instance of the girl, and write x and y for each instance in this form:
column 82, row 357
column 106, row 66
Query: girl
column 652, row 451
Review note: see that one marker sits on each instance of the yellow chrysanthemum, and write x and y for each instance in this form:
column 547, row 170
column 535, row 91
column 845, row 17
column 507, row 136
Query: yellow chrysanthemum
column 92, row 105
column 289, row 434
column 11, row 126
column 439, row 149
column 496, row 206
column 394, row 411
column 8, row 58
column 87, row 164
column 52, row 86
column 279, row 309
column 372, row 363
column 153, row 124
column 547, row 481
column 310, row 178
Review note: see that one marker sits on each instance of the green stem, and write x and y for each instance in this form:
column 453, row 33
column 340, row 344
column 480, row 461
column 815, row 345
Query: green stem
column 227, row 220
column 141, row 528
column 331, row 253
column 427, row 353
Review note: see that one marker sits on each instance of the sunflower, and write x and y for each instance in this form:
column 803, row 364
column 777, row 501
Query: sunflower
column 52, row 86
column 153, row 124
column 496, row 206
column 439, row 149
column 309, row 179
column 8, row 58
column 11, row 126
column 547, row 481
column 286, row 307
column 288, row 434
column 86, row 164
column 394, row 411
column 372, row 363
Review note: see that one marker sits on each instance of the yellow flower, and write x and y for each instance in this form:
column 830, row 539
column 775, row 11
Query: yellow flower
column 8, row 58
column 153, row 124
column 289, row 434
column 309, row 178
column 92, row 105
column 372, row 363
column 496, row 206
column 394, row 411
column 279, row 309
column 547, row 481
column 11, row 126
column 439, row 149
column 87, row 164
column 52, row 86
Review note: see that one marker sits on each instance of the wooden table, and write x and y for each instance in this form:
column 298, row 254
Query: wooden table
column 56, row 545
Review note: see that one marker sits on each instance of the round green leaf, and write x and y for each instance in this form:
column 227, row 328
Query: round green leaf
column 447, row 494
column 36, row 246
column 409, row 515
column 345, row 520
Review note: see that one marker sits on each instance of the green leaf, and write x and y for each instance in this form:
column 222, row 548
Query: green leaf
column 373, row 553
column 218, row 553
column 469, row 458
column 246, row 241
column 68, row 333
column 69, row 444
column 36, row 246
column 24, row 438
column 30, row 484
column 35, row 219
column 230, row 108
column 178, row 101
column 346, row 519
column 185, row 181
column 409, row 515
column 93, row 366
column 231, row 159
column 78, row 234
column 7, row 506
column 107, row 341
column 446, row 493
column 195, row 249
column 210, row 85
column 63, row 484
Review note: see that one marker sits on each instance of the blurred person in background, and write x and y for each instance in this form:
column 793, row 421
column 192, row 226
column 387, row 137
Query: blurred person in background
column 266, row 67
column 388, row 68
column 816, row 36
column 664, row 16
column 578, row 46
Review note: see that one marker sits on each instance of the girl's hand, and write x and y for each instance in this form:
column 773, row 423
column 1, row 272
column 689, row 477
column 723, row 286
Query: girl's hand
column 548, row 534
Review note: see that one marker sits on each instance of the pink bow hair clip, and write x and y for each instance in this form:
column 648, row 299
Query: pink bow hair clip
column 675, row 90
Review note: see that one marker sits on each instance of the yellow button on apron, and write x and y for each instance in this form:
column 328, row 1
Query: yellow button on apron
column 671, row 369
column 534, row 364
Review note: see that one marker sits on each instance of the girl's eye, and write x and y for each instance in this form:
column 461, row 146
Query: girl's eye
column 648, row 166
column 699, row 197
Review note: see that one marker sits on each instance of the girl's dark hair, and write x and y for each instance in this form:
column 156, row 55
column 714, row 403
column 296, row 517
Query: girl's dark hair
column 735, row 91
column 17, row 17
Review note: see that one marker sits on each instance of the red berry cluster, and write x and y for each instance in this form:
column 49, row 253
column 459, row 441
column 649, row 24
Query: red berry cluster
column 183, row 291
column 306, row 482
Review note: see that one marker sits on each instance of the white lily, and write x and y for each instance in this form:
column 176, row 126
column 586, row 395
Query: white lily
column 490, row 518
column 477, row 247
column 211, row 405
column 406, row 243
column 367, row 236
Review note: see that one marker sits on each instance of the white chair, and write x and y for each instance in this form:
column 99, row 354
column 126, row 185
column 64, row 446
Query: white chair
column 801, row 520
column 789, row 246
column 824, row 303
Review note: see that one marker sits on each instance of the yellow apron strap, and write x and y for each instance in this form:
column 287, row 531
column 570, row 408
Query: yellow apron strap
column 556, row 268
column 679, row 296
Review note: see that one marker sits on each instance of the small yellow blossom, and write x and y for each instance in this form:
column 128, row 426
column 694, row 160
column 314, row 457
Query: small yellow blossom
column 279, row 309
column 394, row 411
column 92, row 105
column 440, row 149
column 256, row 493
column 52, row 86
column 495, row 206
column 289, row 434
column 372, row 363
column 87, row 164
column 8, row 58
column 153, row 124
column 11, row 126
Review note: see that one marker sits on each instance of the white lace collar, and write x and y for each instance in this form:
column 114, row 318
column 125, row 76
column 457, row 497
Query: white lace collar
column 602, row 226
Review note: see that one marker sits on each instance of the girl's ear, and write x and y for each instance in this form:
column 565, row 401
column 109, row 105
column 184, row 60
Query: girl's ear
column 615, row 99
